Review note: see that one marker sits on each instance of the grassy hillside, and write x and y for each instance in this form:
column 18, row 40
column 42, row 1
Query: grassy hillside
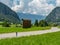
column 46, row 39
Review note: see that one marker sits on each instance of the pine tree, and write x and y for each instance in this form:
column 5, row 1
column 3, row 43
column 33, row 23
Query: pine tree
column 36, row 23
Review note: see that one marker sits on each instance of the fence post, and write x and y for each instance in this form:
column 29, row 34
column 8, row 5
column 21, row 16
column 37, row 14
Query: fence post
column 16, row 34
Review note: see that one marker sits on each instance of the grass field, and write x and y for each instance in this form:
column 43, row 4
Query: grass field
column 20, row 29
column 45, row 39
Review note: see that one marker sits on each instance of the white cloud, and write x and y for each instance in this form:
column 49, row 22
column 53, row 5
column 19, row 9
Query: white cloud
column 34, row 12
column 41, row 6
column 38, row 3
column 32, row 6
column 57, row 2
column 6, row 2
column 18, row 7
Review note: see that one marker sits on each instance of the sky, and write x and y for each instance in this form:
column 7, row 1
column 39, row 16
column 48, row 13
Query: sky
column 40, row 7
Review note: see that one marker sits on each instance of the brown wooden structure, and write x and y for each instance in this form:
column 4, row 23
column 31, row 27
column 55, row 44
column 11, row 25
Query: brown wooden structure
column 26, row 23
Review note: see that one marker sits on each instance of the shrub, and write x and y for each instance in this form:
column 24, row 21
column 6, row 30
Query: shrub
column 43, row 23
column 18, row 25
column 54, row 24
column 6, row 24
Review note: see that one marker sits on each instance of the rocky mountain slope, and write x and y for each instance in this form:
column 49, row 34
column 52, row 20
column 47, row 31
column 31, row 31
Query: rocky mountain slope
column 8, row 14
column 54, row 16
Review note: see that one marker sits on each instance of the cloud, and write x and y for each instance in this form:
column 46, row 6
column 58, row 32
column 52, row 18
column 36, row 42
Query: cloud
column 18, row 7
column 57, row 2
column 42, row 7
column 7, row 2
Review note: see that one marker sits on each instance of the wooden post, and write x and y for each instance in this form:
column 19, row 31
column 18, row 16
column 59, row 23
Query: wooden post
column 16, row 34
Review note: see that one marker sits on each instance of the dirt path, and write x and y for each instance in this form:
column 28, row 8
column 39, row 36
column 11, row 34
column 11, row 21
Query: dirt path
column 21, row 34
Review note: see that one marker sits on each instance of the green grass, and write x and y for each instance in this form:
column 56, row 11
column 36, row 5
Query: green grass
column 45, row 39
column 58, row 26
column 20, row 29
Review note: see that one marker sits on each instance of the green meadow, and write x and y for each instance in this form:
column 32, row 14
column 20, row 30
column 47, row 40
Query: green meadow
column 20, row 29
column 45, row 39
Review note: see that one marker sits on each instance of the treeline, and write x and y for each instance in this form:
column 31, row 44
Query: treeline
column 41, row 23
column 27, row 23
column 44, row 23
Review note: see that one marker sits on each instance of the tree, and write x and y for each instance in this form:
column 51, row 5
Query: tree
column 43, row 23
column 6, row 23
column 36, row 23
column 21, row 21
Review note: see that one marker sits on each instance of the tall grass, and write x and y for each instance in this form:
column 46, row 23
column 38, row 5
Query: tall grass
column 45, row 39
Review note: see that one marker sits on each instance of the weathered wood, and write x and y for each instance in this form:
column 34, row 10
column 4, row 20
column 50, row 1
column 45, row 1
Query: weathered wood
column 26, row 23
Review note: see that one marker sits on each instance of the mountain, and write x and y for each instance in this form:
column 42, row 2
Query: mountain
column 31, row 17
column 54, row 16
column 8, row 14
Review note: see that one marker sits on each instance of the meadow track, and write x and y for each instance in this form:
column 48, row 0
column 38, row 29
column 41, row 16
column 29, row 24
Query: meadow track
column 21, row 34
